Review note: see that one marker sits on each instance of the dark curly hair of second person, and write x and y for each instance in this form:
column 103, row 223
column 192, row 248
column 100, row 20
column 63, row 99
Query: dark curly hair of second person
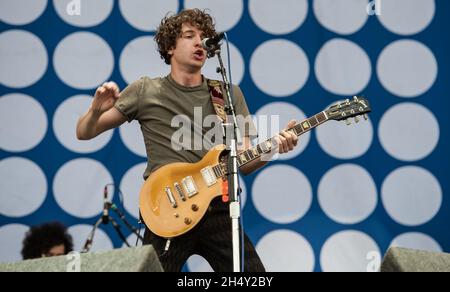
column 40, row 240
column 170, row 29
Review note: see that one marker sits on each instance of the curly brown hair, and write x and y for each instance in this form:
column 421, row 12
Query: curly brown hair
column 170, row 29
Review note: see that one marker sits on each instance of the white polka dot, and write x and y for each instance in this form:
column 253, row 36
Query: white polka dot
column 237, row 65
column 141, row 58
column 14, row 12
column 146, row 15
column 278, row 16
column 407, row 17
column 74, row 63
column 65, row 122
column 348, row 251
column 198, row 264
column 131, row 185
column 341, row 16
column 407, row 68
column 279, row 68
column 23, row 123
column 282, row 194
column 348, row 194
column 283, row 113
column 80, row 233
column 133, row 139
column 12, row 237
column 23, row 187
column 345, row 142
column 409, row 132
column 227, row 14
column 416, row 241
column 412, row 196
column 78, row 187
column 286, row 251
column 91, row 13
column 23, row 57
column 342, row 67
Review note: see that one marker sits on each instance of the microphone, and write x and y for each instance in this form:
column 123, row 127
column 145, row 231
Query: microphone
column 105, row 217
column 212, row 43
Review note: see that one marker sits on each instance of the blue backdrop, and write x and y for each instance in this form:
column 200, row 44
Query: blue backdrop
column 335, row 204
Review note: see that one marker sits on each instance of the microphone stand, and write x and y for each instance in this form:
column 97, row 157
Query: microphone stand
column 101, row 220
column 233, row 139
column 133, row 229
column 90, row 239
column 119, row 232
column 105, row 221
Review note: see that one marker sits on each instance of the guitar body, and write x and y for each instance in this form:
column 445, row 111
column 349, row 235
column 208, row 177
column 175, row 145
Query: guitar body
column 175, row 197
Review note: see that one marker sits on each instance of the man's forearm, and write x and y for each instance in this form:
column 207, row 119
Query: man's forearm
column 253, row 166
column 87, row 125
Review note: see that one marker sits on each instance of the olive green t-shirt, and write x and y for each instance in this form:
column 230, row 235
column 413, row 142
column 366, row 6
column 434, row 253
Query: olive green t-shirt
column 178, row 123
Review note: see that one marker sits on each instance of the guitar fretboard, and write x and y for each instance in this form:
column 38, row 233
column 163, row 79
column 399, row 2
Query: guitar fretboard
column 267, row 146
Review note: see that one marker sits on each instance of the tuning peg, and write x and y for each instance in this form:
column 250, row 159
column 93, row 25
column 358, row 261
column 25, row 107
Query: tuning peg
column 348, row 122
column 355, row 98
column 356, row 119
column 366, row 117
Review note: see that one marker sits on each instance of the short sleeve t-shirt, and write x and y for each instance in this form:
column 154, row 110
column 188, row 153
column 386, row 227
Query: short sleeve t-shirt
column 178, row 123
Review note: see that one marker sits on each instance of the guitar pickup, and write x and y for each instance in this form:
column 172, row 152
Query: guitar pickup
column 208, row 176
column 189, row 186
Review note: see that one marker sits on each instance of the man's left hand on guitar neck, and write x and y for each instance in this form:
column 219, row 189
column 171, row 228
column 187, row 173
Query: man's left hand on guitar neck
column 286, row 142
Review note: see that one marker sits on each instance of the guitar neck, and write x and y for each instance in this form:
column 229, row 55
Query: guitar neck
column 266, row 147
column 358, row 106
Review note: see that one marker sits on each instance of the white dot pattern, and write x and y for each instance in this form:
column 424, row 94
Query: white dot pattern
column 415, row 15
column 24, row 58
column 292, row 59
column 83, row 13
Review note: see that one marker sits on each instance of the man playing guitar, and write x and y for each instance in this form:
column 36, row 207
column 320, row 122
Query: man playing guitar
column 155, row 103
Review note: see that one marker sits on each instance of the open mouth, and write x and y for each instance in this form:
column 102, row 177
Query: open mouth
column 199, row 54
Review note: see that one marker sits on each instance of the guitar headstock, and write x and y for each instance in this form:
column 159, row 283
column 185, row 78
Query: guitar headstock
column 354, row 108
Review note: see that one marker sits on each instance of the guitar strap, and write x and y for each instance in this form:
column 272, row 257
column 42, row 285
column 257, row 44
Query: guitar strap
column 217, row 99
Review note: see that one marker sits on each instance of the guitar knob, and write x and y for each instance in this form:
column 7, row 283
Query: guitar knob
column 356, row 120
column 349, row 122
column 366, row 117
column 195, row 208
column 187, row 221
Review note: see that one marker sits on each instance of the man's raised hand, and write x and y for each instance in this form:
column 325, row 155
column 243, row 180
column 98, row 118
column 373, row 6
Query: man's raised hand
column 105, row 97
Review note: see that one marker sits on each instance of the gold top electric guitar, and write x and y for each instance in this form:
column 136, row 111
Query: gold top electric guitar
column 175, row 197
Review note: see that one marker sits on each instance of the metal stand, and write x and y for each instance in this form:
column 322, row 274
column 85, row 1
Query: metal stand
column 90, row 239
column 101, row 220
column 233, row 139
column 133, row 229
